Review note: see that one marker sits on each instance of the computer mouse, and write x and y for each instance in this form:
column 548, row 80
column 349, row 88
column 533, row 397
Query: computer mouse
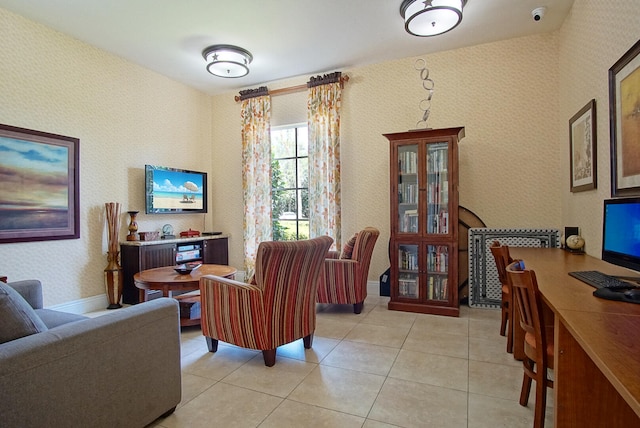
column 633, row 294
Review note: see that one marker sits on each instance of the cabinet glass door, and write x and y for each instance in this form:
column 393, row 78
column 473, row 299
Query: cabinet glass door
column 408, row 188
column 408, row 272
column 437, row 188
column 437, row 272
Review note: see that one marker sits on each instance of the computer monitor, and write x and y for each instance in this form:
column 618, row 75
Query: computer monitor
column 621, row 232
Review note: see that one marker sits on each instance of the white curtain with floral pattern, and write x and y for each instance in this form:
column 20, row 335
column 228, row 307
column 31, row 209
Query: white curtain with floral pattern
column 256, row 175
column 323, row 117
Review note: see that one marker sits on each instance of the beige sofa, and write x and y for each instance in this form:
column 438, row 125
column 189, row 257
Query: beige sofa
column 121, row 369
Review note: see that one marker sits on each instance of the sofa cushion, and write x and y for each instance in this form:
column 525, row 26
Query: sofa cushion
column 347, row 250
column 17, row 317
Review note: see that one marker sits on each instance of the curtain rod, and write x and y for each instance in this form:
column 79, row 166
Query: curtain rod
column 292, row 89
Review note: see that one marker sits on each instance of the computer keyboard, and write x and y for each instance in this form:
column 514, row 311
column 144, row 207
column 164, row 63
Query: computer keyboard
column 598, row 279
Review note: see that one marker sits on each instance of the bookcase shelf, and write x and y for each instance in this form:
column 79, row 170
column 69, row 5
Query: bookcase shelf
column 424, row 221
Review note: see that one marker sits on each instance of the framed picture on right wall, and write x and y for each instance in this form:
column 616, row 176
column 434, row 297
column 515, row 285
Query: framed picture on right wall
column 624, row 123
column 582, row 136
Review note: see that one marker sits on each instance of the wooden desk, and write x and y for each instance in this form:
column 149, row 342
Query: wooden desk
column 167, row 280
column 597, row 342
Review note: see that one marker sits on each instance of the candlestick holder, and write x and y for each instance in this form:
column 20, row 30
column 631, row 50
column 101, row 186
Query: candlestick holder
column 133, row 226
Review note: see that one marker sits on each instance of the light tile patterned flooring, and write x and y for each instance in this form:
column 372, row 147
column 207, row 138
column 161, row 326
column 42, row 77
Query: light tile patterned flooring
column 378, row 369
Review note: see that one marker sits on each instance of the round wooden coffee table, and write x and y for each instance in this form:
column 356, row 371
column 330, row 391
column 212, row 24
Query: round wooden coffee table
column 168, row 281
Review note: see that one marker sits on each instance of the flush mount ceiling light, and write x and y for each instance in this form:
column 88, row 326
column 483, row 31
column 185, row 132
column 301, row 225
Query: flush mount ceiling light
column 227, row 60
column 426, row 18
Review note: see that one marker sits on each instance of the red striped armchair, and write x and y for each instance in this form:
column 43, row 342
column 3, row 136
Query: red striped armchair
column 278, row 308
column 344, row 280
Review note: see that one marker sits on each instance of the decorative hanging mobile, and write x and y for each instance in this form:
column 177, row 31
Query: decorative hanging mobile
column 427, row 84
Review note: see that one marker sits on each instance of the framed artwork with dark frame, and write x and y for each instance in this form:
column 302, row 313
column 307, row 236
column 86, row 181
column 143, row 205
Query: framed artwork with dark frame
column 39, row 195
column 582, row 153
column 624, row 123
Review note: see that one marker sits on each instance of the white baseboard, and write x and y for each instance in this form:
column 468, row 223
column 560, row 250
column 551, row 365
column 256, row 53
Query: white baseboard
column 373, row 288
column 100, row 302
column 83, row 306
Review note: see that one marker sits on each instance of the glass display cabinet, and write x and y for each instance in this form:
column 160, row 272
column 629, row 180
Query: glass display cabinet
column 424, row 221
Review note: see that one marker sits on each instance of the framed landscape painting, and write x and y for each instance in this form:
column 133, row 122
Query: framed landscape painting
column 582, row 136
column 39, row 186
column 624, row 123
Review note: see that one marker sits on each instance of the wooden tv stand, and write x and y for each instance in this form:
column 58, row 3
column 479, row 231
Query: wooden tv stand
column 136, row 256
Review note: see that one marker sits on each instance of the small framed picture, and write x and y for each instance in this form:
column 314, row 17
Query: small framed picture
column 624, row 123
column 582, row 152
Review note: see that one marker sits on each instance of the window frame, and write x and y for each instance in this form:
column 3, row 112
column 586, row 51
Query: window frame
column 297, row 189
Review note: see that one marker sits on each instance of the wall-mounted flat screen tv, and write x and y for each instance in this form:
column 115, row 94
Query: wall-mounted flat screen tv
column 174, row 190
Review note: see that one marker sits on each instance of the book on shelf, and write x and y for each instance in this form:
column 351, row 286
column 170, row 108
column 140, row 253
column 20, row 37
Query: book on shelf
column 437, row 158
column 437, row 288
column 443, row 222
column 408, row 287
column 408, row 260
column 410, row 221
column 438, row 259
column 444, row 197
column 438, row 223
column 408, row 193
column 408, row 162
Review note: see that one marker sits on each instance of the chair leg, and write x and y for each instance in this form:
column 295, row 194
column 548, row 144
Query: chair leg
column 212, row 344
column 526, row 382
column 526, row 389
column 503, row 320
column 541, row 400
column 357, row 307
column 510, row 331
column 269, row 356
column 308, row 341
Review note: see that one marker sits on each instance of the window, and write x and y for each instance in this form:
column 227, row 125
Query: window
column 290, row 183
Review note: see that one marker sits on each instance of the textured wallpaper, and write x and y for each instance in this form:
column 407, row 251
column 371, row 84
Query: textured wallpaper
column 506, row 96
column 514, row 98
column 594, row 36
column 124, row 115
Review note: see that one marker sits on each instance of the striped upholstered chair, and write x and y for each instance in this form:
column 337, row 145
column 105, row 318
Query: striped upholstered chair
column 344, row 278
column 278, row 308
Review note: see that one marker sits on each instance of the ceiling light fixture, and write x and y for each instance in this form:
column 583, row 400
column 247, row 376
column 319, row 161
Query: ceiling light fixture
column 426, row 18
column 227, row 60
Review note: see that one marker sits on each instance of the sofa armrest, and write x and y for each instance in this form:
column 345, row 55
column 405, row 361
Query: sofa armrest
column 30, row 290
column 119, row 369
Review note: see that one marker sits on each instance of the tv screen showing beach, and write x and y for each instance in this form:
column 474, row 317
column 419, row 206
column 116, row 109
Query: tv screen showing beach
column 171, row 190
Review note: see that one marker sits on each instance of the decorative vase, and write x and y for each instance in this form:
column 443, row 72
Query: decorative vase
column 113, row 280
column 133, row 226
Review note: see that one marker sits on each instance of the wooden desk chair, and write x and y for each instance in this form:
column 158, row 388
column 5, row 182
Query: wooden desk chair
column 538, row 340
column 502, row 258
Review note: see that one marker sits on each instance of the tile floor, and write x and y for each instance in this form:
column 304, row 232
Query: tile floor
column 378, row 369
